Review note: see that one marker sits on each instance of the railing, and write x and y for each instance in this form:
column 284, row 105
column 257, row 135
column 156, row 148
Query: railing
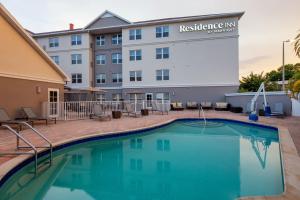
column 30, row 145
column 74, row 110
column 203, row 114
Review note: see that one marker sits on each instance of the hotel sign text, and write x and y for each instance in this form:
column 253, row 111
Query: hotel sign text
column 218, row 27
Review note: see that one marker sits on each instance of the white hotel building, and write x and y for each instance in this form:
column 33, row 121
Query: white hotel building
column 194, row 58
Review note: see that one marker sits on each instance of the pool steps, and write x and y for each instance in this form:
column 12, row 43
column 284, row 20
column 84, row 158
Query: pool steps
column 34, row 152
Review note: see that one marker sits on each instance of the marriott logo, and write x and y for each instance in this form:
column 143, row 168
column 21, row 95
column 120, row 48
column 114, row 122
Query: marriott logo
column 210, row 28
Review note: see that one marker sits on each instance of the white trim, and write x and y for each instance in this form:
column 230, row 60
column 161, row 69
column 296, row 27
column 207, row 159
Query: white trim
column 275, row 93
column 32, row 78
column 172, row 86
column 57, row 108
column 110, row 88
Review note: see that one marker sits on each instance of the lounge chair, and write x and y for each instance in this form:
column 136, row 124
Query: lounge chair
column 99, row 113
column 31, row 116
column 206, row 105
column 5, row 119
column 129, row 109
column 222, row 106
column 191, row 105
column 278, row 110
column 177, row 106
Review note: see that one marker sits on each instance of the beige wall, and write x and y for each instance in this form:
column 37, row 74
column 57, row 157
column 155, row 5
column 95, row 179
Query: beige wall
column 16, row 93
column 20, row 60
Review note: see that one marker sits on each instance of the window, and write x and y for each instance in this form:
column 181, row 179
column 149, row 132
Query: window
column 100, row 59
column 162, row 53
column 163, row 166
column 75, row 40
column 135, row 55
column 100, row 40
column 162, row 96
column 163, row 145
column 135, row 75
column 53, row 42
column 76, row 78
column 116, row 97
column 116, row 39
column 162, row 74
column 100, row 97
column 136, row 143
column 55, row 59
column 116, row 58
column 101, row 78
column 162, row 31
column 76, row 59
column 136, row 164
column 135, row 34
column 117, row 78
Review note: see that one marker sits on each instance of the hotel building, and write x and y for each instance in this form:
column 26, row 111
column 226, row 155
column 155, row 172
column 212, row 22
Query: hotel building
column 194, row 58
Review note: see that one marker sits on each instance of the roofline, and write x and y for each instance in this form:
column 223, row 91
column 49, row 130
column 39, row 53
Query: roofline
column 15, row 24
column 144, row 23
column 102, row 14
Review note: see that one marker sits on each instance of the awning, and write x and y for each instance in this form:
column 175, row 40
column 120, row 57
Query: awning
column 82, row 90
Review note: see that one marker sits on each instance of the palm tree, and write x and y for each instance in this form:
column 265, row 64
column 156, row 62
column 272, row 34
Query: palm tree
column 297, row 45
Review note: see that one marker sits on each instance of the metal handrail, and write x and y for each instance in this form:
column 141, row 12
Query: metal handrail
column 202, row 111
column 43, row 137
column 26, row 141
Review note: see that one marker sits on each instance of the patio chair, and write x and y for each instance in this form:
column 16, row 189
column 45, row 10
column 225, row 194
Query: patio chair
column 99, row 113
column 206, row 105
column 222, row 106
column 278, row 110
column 31, row 116
column 248, row 108
column 191, row 105
column 129, row 109
column 5, row 119
column 177, row 106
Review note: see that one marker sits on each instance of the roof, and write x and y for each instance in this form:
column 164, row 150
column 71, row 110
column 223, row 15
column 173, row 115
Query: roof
column 27, row 37
column 143, row 23
column 106, row 13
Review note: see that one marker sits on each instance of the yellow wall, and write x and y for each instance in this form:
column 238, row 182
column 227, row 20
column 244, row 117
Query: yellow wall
column 18, row 59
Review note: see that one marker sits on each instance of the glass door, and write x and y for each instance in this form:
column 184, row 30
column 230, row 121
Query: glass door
column 53, row 100
column 149, row 98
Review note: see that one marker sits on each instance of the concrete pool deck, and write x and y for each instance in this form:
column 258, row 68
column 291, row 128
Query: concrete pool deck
column 64, row 131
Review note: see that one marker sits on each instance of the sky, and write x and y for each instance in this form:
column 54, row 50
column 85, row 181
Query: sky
column 262, row 29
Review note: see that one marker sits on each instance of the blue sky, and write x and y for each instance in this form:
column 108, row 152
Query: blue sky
column 262, row 29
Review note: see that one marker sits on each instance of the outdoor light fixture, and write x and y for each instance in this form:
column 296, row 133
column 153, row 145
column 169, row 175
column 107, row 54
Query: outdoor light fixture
column 283, row 72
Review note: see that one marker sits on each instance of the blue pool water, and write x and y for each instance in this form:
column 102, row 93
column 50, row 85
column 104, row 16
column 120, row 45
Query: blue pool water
column 181, row 161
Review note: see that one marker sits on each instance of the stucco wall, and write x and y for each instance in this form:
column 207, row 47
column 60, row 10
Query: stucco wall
column 195, row 58
column 19, row 59
column 241, row 100
column 16, row 93
column 65, row 50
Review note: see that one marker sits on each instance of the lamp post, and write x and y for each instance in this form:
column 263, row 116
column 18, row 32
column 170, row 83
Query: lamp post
column 283, row 72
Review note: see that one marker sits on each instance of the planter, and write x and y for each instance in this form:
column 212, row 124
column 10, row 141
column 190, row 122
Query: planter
column 145, row 112
column 116, row 114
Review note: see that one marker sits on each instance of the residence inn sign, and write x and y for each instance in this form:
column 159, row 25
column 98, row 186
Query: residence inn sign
column 218, row 27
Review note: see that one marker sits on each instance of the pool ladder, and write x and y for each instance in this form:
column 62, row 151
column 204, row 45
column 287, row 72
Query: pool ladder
column 203, row 114
column 34, row 148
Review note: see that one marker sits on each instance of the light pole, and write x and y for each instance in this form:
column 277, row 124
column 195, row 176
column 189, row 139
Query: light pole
column 283, row 72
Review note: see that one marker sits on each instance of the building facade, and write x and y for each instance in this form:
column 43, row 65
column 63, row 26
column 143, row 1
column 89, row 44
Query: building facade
column 193, row 58
column 30, row 80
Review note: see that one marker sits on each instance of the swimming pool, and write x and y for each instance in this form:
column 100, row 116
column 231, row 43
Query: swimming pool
column 182, row 160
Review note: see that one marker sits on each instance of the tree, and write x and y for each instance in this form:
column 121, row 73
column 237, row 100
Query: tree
column 294, row 85
column 297, row 45
column 252, row 82
column 289, row 69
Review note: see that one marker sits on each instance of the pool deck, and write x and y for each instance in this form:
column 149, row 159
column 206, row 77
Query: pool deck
column 65, row 131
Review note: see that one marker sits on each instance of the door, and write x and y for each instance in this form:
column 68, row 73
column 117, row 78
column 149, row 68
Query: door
column 53, row 100
column 149, row 98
